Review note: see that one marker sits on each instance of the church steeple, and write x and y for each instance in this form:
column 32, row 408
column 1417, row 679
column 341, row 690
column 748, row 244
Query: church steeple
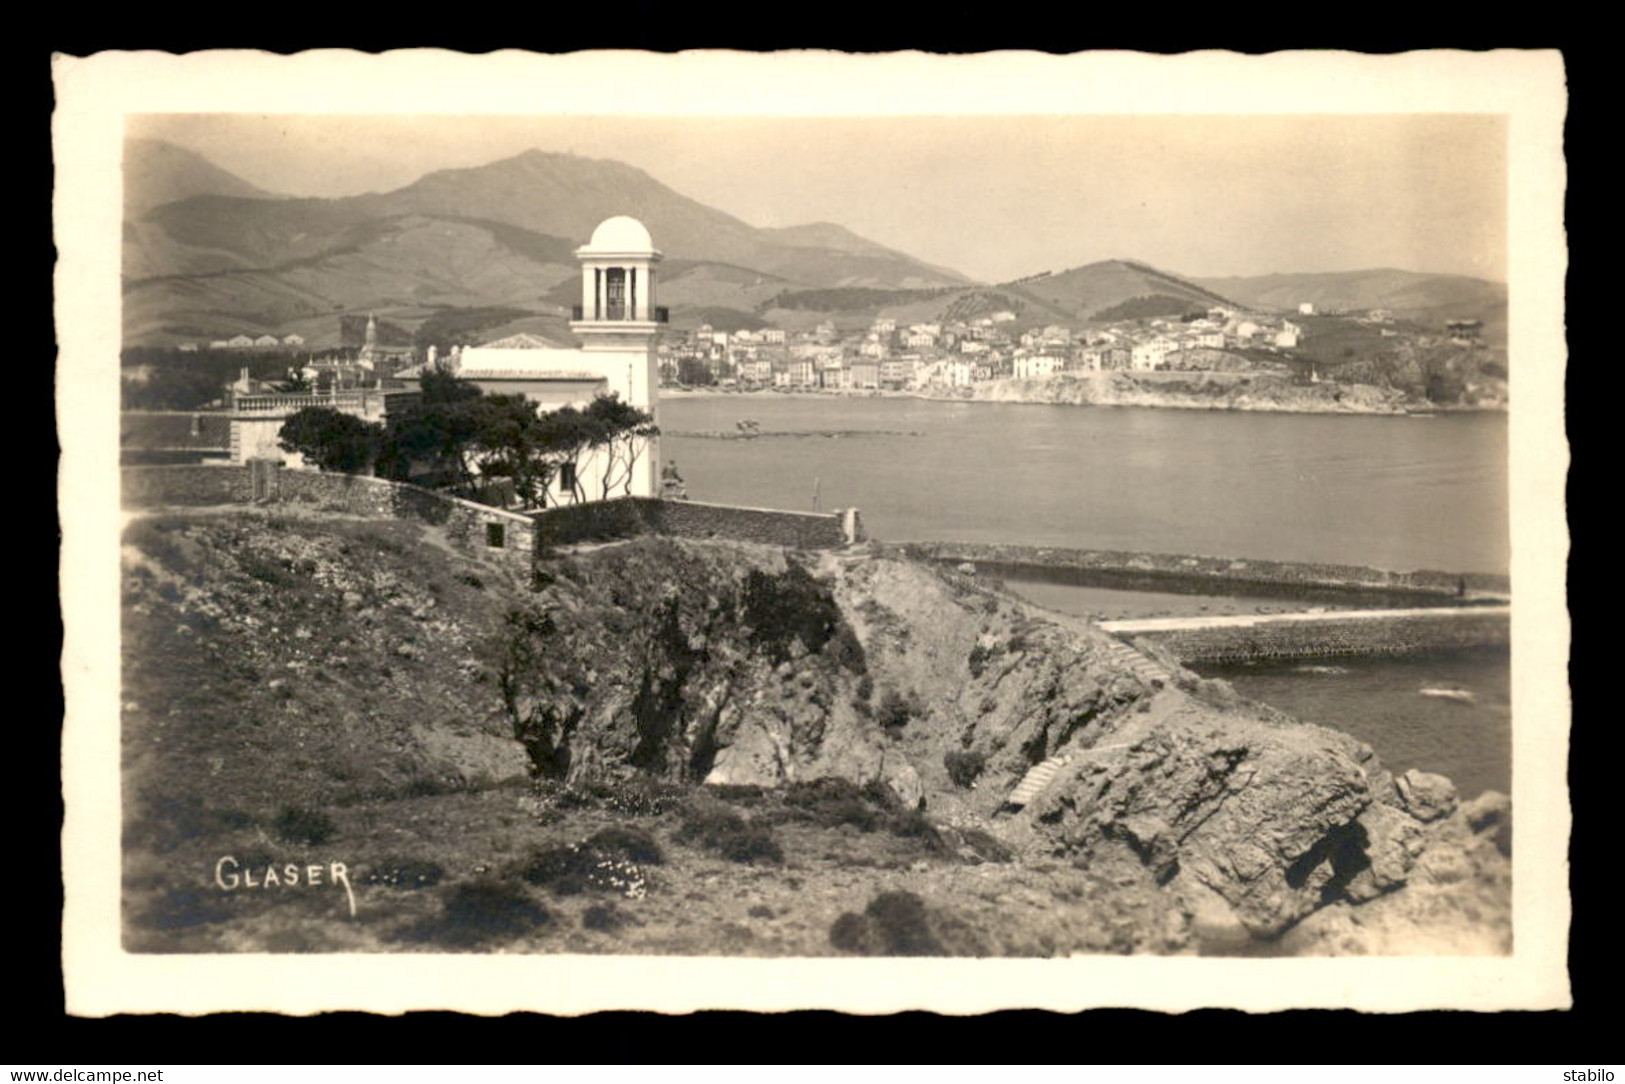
column 370, row 344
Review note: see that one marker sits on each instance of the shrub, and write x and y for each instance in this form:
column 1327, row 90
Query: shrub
column 844, row 650
column 850, row 933
column 894, row 712
column 831, row 802
column 604, row 863
column 791, row 606
column 720, row 830
column 904, row 925
column 985, row 847
column 564, row 870
column 476, row 912
column 633, row 844
column 964, row 767
column 303, row 826
column 912, row 824
column 603, row 917
column 894, row 924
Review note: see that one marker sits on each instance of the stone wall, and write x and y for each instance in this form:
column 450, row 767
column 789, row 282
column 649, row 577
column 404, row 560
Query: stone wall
column 1333, row 637
column 192, row 484
column 626, row 517
column 507, row 538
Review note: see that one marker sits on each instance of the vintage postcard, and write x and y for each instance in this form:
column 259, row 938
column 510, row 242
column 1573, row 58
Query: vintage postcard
column 797, row 530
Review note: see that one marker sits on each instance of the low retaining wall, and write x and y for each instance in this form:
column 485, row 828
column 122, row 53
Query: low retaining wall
column 1331, row 636
column 145, row 486
column 1177, row 573
column 627, row 517
column 507, row 538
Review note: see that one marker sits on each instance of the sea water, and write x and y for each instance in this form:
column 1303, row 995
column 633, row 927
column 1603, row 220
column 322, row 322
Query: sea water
column 1398, row 493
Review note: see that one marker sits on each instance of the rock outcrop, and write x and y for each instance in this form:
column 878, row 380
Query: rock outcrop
column 327, row 665
column 750, row 666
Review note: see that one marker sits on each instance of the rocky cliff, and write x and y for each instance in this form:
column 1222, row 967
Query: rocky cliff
column 835, row 736
column 1199, row 391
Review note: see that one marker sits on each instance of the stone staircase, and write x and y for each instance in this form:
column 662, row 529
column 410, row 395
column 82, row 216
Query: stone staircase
column 1037, row 778
column 1041, row 775
column 1139, row 664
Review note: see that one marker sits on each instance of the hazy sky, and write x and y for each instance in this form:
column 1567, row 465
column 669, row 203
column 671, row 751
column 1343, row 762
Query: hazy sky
column 994, row 197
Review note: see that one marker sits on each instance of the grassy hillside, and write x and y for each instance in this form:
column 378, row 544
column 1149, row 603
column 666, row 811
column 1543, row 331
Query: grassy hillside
column 399, row 267
column 1095, row 288
column 307, row 689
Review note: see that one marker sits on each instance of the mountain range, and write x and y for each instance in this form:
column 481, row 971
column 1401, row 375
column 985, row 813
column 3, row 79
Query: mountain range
column 1427, row 298
column 208, row 255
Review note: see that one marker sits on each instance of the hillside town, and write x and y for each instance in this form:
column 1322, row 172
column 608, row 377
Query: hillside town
column 888, row 356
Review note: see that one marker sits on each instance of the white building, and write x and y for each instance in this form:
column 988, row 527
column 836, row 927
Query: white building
column 1150, row 354
column 1037, row 365
column 1307, row 308
column 618, row 324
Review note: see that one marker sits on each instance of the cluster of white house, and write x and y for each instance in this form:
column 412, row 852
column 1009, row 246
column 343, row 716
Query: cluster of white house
column 245, row 342
column 884, row 355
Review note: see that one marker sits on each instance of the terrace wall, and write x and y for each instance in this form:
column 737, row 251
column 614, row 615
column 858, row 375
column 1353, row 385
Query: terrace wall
column 627, row 517
column 506, row 538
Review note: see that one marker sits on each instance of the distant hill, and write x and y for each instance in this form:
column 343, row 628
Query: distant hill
column 156, row 172
column 1108, row 290
column 404, row 268
column 217, row 259
column 1095, row 288
column 1425, row 298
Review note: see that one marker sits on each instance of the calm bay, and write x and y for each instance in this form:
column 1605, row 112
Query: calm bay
column 1390, row 492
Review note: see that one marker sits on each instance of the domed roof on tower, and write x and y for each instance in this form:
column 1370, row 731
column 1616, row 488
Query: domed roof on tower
column 621, row 234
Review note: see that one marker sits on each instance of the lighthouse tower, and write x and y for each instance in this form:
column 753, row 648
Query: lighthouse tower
column 618, row 319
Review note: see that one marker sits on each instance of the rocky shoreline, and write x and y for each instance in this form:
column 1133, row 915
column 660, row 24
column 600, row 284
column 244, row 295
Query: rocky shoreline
column 1246, row 392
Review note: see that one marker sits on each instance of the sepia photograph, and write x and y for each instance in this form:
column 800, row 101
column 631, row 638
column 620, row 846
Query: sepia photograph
column 586, row 536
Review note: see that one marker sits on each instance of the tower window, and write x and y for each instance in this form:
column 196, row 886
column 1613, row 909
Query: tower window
column 496, row 535
column 615, row 294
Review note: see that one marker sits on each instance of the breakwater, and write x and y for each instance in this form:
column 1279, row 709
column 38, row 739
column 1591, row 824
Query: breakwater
column 1195, row 575
column 1236, row 638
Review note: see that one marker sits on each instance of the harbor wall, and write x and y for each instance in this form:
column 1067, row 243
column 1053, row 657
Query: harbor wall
column 1405, row 633
column 1186, row 574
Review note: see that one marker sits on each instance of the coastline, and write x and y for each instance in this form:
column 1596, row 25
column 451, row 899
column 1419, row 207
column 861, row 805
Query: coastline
column 1163, row 391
